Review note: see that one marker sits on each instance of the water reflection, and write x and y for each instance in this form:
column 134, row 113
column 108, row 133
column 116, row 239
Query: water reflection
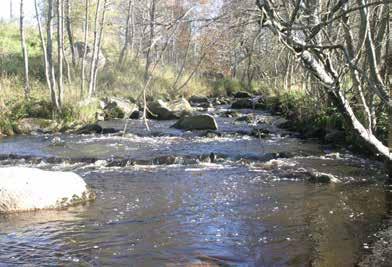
column 168, row 215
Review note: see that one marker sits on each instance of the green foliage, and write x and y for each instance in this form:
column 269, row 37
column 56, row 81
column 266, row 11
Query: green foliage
column 11, row 60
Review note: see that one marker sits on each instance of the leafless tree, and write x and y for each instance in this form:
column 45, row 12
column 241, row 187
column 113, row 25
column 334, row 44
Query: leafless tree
column 24, row 51
column 304, row 27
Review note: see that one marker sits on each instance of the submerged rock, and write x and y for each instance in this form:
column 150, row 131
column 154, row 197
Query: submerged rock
column 27, row 189
column 198, row 122
column 161, row 110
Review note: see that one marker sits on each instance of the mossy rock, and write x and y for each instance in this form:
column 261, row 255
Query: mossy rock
column 162, row 110
column 30, row 125
column 198, row 122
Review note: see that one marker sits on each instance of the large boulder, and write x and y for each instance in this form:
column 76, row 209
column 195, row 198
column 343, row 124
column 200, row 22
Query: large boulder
column 35, row 125
column 199, row 101
column 117, row 108
column 161, row 110
column 197, row 122
column 27, row 189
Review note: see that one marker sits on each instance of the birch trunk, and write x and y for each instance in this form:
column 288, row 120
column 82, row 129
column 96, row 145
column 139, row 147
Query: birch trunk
column 24, row 52
column 124, row 50
column 60, row 46
column 82, row 69
column 42, row 38
column 49, row 49
column 95, row 52
column 69, row 30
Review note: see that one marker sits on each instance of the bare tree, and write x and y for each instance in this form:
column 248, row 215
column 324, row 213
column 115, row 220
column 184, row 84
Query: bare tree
column 305, row 32
column 44, row 51
column 60, row 50
column 24, row 52
column 69, row 30
column 49, row 50
column 150, row 44
column 98, row 36
column 86, row 29
column 128, row 36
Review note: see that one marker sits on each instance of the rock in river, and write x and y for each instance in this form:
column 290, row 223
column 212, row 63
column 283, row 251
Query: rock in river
column 323, row 178
column 162, row 110
column 27, row 189
column 198, row 122
column 94, row 128
column 117, row 108
column 243, row 103
column 30, row 125
column 198, row 99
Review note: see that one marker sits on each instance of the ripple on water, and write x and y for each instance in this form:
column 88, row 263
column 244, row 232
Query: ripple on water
column 245, row 210
column 157, row 214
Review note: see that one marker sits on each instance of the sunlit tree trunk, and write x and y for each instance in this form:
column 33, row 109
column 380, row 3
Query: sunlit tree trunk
column 24, row 52
column 60, row 50
column 49, row 49
column 150, row 39
column 44, row 52
column 99, row 45
column 95, row 50
column 83, row 65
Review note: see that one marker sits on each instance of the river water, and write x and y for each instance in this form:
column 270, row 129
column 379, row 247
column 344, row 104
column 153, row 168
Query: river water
column 162, row 202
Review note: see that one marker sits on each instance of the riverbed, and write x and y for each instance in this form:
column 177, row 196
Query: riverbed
column 166, row 197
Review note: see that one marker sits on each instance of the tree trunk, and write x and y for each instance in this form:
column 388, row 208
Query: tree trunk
column 60, row 46
column 24, row 52
column 69, row 30
column 46, row 65
column 82, row 69
column 49, row 49
column 95, row 52
column 99, row 45
column 124, row 50
column 150, row 40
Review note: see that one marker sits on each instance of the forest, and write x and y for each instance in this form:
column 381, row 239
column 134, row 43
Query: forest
column 197, row 109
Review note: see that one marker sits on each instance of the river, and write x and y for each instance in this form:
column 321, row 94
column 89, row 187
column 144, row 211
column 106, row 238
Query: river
column 162, row 201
